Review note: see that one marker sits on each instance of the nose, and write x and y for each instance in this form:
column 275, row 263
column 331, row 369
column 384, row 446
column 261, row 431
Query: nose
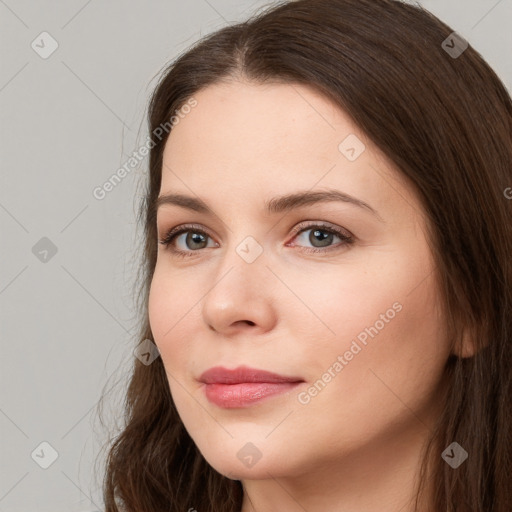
column 242, row 297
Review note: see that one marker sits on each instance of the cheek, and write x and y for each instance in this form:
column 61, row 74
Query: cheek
column 167, row 317
column 175, row 317
column 393, row 347
column 390, row 372
column 159, row 305
column 383, row 318
column 172, row 318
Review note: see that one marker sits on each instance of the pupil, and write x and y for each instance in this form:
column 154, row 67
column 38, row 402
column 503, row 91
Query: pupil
column 323, row 238
column 196, row 237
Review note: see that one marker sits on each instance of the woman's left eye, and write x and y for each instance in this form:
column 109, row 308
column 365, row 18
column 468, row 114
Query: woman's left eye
column 319, row 234
column 323, row 235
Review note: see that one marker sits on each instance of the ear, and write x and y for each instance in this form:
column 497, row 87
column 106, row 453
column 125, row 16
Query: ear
column 467, row 346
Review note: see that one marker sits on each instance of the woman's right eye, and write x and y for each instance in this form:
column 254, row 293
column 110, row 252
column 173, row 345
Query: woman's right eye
column 193, row 236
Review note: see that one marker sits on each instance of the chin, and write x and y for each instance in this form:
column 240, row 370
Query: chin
column 247, row 462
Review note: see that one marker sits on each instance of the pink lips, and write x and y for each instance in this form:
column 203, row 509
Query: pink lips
column 243, row 386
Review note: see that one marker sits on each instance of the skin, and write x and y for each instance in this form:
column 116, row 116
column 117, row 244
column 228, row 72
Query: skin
column 357, row 444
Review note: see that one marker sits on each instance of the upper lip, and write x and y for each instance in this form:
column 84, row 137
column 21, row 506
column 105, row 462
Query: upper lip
column 241, row 374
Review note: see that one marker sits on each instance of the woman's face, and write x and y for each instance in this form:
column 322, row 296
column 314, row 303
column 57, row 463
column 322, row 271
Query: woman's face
column 358, row 323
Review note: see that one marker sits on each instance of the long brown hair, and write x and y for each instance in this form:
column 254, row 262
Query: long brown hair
column 445, row 120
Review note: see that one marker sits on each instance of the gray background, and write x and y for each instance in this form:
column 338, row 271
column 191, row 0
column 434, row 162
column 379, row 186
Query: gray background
column 68, row 123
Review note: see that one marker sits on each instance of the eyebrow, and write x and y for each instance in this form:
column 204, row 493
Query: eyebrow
column 275, row 205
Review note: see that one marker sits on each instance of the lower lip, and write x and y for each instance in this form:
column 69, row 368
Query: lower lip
column 245, row 394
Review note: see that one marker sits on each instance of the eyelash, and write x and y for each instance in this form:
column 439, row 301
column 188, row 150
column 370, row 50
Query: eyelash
column 172, row 234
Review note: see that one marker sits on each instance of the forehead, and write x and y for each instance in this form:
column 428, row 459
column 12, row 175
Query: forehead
column 242, row 119
column 244, row 139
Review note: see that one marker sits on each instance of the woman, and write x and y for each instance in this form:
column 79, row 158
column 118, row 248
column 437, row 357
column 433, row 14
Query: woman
column 326, row 272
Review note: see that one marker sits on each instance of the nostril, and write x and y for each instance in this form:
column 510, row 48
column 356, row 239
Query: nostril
column 246, row 322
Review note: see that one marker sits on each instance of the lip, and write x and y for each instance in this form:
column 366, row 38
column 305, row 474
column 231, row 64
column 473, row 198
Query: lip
column 243, row 374
column 244, row 386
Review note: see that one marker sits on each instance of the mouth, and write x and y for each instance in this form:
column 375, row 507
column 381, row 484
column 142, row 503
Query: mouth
column 244, row 386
